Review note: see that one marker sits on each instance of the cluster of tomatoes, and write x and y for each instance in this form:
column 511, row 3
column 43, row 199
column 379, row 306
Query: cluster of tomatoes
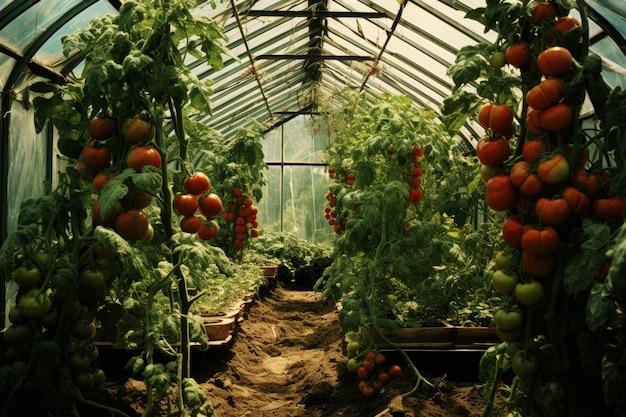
column 416, row 193
column 36, row 312
column 330, row 212
column 198, row 206
column 370, row 369
column 241, row 213
column 94, row 162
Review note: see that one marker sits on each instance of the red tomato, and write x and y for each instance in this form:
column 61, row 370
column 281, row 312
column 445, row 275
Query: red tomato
column 501, row 193
column 198, row 184
column 554, row 170
column 493, row 152
column 608, row 210
column 557, row 117
column 395, row 371
column 109, row 217
column 211, row 205
column 132, row 225
column 100, row 180
column 586, row 182
column 541, row 12
column 562, row 25
column 95, row 159
column 518, row 54
column 137, row 130
column 555, row 61
column 533, row 122
column 512, row 230
column 533, row 150
column 554, row 212
column 190, row 223
column 185, row 204
column 208, row 231
column 415, row 195
column 527, row 182
column 496, row 117
column 101, row 128
column 547, row 93
column 141, row 156
column 540, row 241
column 577, row 200
column 538, row 266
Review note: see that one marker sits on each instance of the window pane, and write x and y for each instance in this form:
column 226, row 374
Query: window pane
column 299, row 146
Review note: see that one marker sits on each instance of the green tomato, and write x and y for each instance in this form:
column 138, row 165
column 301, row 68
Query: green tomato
column 497, row 59
column 84, row 380
column 79, row 361
column 529, row 293
column 525, row 364
column 15, row 317
column 98, row 377
column 27, row 276
column 352, row 365
column 504, row 260
column 352, row 349
column 508, row 319
column 43, row 260
column 551, row 398
column 504, row 283
column 34, row 304
column 18, row 334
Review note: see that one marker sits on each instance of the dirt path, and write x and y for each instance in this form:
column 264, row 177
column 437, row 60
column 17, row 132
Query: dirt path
column 286, row 360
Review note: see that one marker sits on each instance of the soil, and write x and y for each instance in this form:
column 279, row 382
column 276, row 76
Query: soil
column 286, row 359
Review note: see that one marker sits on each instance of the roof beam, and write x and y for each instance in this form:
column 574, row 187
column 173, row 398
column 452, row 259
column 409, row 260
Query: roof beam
column 324, row 14
column 317, row 57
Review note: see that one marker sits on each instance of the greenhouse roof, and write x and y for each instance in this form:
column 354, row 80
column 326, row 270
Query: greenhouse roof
column 288, row 55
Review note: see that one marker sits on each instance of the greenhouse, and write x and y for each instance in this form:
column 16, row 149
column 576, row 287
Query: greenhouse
column 313, row 208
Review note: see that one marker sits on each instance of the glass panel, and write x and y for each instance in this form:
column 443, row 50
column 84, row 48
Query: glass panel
column 272, row 145
column 299, row 145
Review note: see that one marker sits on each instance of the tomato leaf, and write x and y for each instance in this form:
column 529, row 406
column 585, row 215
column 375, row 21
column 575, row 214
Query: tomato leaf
column 456, row 108
column 600, row 307
column 580, row 271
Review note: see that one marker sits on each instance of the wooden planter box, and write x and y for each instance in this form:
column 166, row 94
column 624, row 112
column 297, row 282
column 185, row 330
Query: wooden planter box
column 219, row 328
column 444, row 337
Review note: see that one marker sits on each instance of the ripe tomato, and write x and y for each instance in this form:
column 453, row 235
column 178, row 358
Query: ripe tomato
column 132, row 225
column 529, row 293
column 533, row 122
column 141, row 156
column 496, row 117
column 555, row 61
column 608, row 210
column 552, row 212
column 537, row 266
column 101, row 128
column 211, row 205
column 554, row 170
column 547, row 93
column 528, row 183
column 137, row 130
column 94, row 159
column 586, row 182
column 208, row 231
column 101, row 179
column 541, row 12
column 395, row 371
column 533, row 150
column 501, row 194
column 415, row 195
column 185, row 204
column 379, row 359
column 198, row 184
column 578, row 201
column 190, row 224
column 504, row 283
column 362, row 372
column 557, row 117
column 518, row 54
column 540, row 241
column 492, row 152
column 561, row 26
column 109, row 217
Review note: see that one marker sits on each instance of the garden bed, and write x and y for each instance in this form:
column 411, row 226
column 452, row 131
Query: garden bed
column 286, row 359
